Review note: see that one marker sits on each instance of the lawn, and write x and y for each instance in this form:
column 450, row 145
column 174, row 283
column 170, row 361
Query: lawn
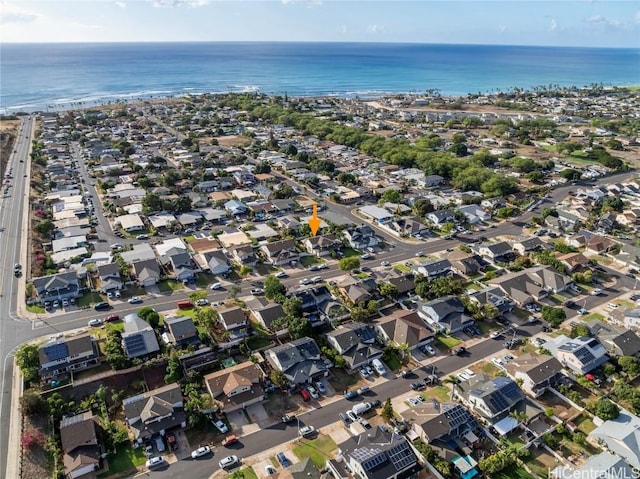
column 350, row 252
column 170, row 285
column 393, row 362
column 318, row 450
column 34, row 308
column 88, row 299
column 585, row 424
column 520, row 313
column 307, row 261
column 447, row 342
column 593, row 317
column 189, row 313
column 257, row 342
column 490, row 369
column 401, row 268
column 246, row 473
column 205, row 279
column 486, row 327
column 126, row 459
column 441, row 393
column 512, row 472
column 557, row 298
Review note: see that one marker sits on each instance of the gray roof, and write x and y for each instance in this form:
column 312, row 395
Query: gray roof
column 622, row 436
column 65, row 347
column 181, row 327
column 499, row 394
column 148, row 407
column 300, row 360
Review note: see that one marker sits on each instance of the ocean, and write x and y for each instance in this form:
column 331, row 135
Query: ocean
column 56, row 76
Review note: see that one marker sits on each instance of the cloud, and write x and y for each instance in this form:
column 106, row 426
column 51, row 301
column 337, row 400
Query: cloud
column 344, row 29
column 120, row 4
column 308, row 3
column 553, row 25
column 596, row 20
column 603, row 22
column 11, row 14
column 637, row 17
column 180, row 3
column 375, row 29
column 502, row 28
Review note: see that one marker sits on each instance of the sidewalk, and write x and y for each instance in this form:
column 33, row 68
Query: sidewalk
column 14, row 462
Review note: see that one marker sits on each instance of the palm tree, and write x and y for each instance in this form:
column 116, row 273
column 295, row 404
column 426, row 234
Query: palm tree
column 454, row 382
column 405, row 351
column 520, row 416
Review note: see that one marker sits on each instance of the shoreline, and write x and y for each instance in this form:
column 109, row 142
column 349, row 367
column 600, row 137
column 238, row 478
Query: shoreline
column 87, row 102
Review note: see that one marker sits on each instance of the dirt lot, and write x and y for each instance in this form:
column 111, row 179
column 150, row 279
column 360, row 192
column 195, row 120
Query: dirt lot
column 34, row 461
column 232, row 140
column 8, row 130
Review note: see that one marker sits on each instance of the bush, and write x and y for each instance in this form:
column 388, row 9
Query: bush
column 31, row 438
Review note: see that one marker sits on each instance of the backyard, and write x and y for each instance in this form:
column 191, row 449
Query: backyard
column 540, row 462
column 125, row 460
column 584, row 423
column 318, row 450
column 512, row 472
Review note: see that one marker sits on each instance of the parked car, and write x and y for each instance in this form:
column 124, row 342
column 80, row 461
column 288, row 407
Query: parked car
column 215, row 286
column 305, row 395
column 101, row 306
column 269, row 470
column 321, row 386
column 229, row 462
column 417, row 386
column 350, row 394
column 172, row 441
column 363, row 390
column 111, row 318
column 307, row 431
column 363, row 372
column 220, row 426
column 283, row 459
column 202, row 302
column 460, row 350
column 288, row 418
column 95, row 322
column 155, row 462
column 430, row 350
column 281, row 274
column 379, row 367
column 229, row 440
column 596, row 292
column 313, row 392
column 257, row 291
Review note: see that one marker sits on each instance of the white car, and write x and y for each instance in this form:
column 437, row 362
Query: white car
column 304, row 281
column 313, row 392
column 202, row 302
column 257, row 291
column 307, row 431
column 269, row 470
column 135, row 300
column 316, row 279
column 497, row 361
column 201, row 451
column 364, row 373
column 495, row 334
column 215, row 286
column 430, row 350
column 385, row 263
column 281, row 274
column 220, row 426
column 155, row 462
column 229, row 461
column 413, row 401
column 596, row 292
column 469, row 373
column 95, row 322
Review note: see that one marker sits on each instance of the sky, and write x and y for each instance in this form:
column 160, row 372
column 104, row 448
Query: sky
column 591, row 23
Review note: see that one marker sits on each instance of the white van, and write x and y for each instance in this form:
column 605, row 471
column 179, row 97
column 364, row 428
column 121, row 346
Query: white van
column 215, row 286
column 361, row 408
column 379, row 367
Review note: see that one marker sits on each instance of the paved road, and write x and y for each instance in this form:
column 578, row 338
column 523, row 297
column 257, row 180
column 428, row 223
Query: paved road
column 13, row 331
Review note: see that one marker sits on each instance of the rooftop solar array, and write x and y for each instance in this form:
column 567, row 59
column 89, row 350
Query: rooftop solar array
column 497, row 402
column 135, row 345
column 56, row 351
column 401, row 456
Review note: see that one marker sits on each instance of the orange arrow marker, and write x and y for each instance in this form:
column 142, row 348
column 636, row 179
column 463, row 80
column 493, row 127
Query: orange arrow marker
column 314, row 221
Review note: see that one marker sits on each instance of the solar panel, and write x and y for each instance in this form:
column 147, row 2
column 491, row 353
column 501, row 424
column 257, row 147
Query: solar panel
column 401, row 456
column 135, row 345
column 374, row 462
column 56, row 351
column 512, row 391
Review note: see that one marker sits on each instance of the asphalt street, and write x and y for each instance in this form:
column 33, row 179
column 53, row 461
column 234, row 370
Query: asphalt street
column 14, row 330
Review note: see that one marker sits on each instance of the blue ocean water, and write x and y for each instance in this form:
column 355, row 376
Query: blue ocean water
column 50, row 76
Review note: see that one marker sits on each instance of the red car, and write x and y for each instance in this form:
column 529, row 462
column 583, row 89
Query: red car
column 111, row 317
column 305, row 394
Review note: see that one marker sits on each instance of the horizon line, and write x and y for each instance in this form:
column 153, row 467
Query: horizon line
column 148, row 42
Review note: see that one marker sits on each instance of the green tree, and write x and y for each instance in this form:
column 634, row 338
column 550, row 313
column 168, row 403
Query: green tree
column 387, row 412
column 58, row 406
column 150, row 316
column 422, row 207
column 606, row 409
column 262, row 167
column 292, row 307
column 45, row 227
column 279, row 379
column 28, row 360
column 579, row 330
column 360, row 314
column 113, row 351
column 245, row 270
column 570, row 174
column 553, row 316
column 391, row 196
column 299, row 327
column 388, row 290
column 630, row 365
column 349, row 263
column 273, row 288
column 174, row 368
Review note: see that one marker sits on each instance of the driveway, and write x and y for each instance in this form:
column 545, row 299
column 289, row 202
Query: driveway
column 259, row 416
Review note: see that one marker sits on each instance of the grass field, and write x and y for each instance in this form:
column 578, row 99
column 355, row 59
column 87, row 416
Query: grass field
column 126, row 459
column 441, row 393
column 307, row 261
column 512, row 472
column 33, row 308
column 585, row 424
column 169, row 285
column 246, row 473
column 88, row 299
column 447, row 342
column 318, row 450
column 347, row 252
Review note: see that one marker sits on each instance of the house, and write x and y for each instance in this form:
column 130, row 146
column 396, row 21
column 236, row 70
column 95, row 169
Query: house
column 566, row 221
column 288, row 223
column 537, row 373
column 404, row 327
column 474, row 214
column 632, row 319
column 527, row 244
column 361, row 237
column 243, row 255
column 155, row 412
column 81, row 449
column 300, row 361
column 180, row 262
column 280, row 253
column 232, row 317
column 465, row 263
column 434, row 421
column 65, row 355
column 410, row 227
column 433, row 269
column 139, row 338
column 617, row 341
column 181, row 331
column 130, row 223
column 376, row 214
column 493, row 296
column 356, row 342
column 496, row 252
column 57, row 286
column 109, row 275
column 266, row 313
column 404, row 283
column 606, row 223
column 581, row 355
column 236, row 387
column 574, row 262
column 597, row 244
column 602, row 466
column 217, row 262
column 440, row 217
column 531, row 284
column 356, row 293
column 234, row 207
column 147, row 272
column 621, row 436
column 444, row 314
column 322, row 245
column 304, row 469
column 378, row 453
column 493, row 398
